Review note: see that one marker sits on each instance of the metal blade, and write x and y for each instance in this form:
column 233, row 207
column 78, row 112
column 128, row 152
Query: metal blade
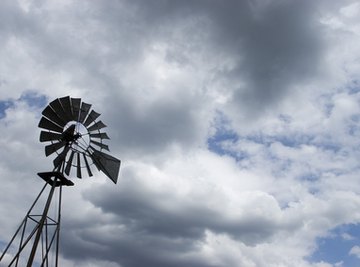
column 57, row 107
column 87, row 166
column 51, row 114
column 49, row 125
column 78, row 166
column 109, row 165
column 92, row 117
column 85, row 107
column 103, row 146
column 75, row 104
column 66, row 104
column 49, row 136
column 99, row 135
column 61, row 157
column 49, row 149
column 96, row 126
column 69, row 163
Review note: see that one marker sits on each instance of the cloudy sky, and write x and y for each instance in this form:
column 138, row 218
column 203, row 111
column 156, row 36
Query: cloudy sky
column 237, row 123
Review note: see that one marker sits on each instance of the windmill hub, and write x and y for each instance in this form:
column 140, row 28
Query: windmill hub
column 76, row 135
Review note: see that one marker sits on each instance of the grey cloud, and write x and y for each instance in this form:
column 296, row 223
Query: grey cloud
column 280, row 49
column 157, row 229
column 107, row 36
column 275, row 45
column 183, row 220
column 151, row 129
column 274, row 48
column 131, row 249
column 13, row 21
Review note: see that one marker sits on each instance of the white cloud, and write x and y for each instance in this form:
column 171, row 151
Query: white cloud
column 355, row 251
column 351, row 10
column 347, row 236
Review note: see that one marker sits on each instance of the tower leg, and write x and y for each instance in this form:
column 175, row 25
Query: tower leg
column 58, row 230
column 22, row 227
column 41, row 224
column 41, row 229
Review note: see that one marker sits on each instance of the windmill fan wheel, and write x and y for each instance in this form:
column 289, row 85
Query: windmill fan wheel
column 74, row 133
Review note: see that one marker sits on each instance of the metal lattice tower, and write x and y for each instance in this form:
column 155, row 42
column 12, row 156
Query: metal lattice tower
column 74, row 134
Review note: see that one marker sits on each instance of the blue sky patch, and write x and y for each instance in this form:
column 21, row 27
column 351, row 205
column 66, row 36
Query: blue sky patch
column 34, row 99
column 31, row 98
column 2, row 244
column 354, row 87
column 4, row 105
column 223, row 134
column 336, row 247
column 215, row 143
column 291, row 140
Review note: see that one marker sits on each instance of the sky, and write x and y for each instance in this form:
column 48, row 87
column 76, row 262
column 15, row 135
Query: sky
column 237, row 124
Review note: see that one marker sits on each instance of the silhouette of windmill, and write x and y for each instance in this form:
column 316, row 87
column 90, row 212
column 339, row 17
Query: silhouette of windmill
column 74, row 133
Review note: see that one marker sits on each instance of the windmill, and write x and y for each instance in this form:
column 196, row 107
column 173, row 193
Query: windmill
column 75, row 136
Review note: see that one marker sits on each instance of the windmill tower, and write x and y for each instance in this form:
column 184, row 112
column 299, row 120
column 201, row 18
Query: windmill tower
column 74, row 134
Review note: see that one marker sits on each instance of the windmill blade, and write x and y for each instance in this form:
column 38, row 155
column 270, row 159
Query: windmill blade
column 103, row 146
column 85, row 108
column 57, row 107
column 49, row 149
column 66, row 104
column 61, row 157
column 96, row 126
column 99, row 135
column 87, row 166
column 51, row 115
column 49, row 125
column 78, row 166
column 109, row 165
column 49, row 136
column 75, row 104
column 69, row 163
column 92, row 117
